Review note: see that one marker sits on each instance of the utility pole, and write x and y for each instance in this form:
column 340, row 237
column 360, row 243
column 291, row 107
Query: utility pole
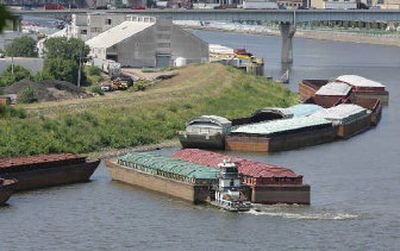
column 79, row 70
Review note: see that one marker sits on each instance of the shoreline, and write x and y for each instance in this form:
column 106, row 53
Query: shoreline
column 315, row 35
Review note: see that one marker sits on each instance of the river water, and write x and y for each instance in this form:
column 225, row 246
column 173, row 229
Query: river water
column 355, row 183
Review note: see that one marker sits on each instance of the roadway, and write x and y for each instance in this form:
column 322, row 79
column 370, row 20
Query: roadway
column 290, row 16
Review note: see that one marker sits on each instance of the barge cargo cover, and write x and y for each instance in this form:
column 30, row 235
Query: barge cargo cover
column 269, row 183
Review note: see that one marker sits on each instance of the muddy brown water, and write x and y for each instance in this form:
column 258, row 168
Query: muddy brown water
column 355, row 183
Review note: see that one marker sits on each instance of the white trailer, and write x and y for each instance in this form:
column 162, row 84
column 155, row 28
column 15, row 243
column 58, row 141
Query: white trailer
column 339, row 5
column 252, row 4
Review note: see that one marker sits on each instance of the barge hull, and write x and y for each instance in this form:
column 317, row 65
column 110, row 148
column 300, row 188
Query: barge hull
column 53, row 176
column 190, row 192
column 352, row 129
column 382, row 96
column 281, row 194
column 282, row 142
column 203, row 142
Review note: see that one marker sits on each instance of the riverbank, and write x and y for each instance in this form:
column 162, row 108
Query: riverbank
column 316, row 35
column 131, row 119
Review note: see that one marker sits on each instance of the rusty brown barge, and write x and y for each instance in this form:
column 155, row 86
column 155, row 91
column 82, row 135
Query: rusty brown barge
column 7, row 188
column 269, row 184
column 47, row 170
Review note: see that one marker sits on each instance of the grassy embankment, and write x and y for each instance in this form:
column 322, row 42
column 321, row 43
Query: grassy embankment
column 130, row 119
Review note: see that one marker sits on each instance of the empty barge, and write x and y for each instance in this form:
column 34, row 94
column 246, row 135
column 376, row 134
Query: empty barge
column 280, row 135
column 269, row 184
column 7, row 188
column 47, row 170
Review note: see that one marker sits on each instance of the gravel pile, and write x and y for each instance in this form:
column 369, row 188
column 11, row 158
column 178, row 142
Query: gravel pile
column 48, row 90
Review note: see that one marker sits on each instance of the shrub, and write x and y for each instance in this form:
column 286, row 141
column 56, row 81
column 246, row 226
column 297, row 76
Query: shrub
column 96, row 89
column 22, row 47
column 27, row 96
column 8, row 77
column 93, row 70
column 11, row 112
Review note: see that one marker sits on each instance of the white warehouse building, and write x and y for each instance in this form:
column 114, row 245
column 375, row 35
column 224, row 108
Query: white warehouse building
column 147, row 42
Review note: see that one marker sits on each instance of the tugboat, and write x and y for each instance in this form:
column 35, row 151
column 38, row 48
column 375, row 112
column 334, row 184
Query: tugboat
column 229, row 192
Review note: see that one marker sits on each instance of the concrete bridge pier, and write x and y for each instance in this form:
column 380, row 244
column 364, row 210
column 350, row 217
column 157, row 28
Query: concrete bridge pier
column 287, row 32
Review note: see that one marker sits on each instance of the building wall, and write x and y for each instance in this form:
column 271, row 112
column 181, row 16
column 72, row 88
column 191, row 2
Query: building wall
column 138, row 50
column 390, row 4
column 141, row 49
column 87, row 26
column 187, row 45
column 318, row 4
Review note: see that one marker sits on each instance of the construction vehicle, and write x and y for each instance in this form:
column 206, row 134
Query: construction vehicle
column 121, row 83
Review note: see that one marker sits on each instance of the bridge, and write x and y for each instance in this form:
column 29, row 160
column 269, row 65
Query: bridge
column 286, row 18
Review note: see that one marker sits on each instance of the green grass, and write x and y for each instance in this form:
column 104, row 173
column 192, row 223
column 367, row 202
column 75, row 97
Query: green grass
column 131, row 119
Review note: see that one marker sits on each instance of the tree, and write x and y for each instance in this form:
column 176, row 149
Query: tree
column 22, row 47
column 8, row 77
column 66, row 49
column 4, row 16
column 63, row 57
column 60, row 69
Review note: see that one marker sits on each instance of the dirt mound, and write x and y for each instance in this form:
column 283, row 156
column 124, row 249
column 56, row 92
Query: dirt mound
column 48, row 90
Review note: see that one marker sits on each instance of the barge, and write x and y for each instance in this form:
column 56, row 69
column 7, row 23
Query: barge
column 365, row 88
column 280, row 135
column 274, row 113
column 7, row 188
column 177, row 178
column 207, row 131
column 182, row 179
column 269, row 184
column 47, row 170
column 308, row 87
column 350, row 119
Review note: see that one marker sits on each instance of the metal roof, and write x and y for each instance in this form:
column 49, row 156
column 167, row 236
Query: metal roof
column 303, row 110
column 342, row 113
column 359, row 81
column 245, row 167
column 170, row 165
column 118, row 33
column 281, row 125
column 334, row 89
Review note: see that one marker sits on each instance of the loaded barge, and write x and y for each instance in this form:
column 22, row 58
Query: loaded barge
column 280, row 135
column 185, row 180
column 7, row 187
column 269, row 184
column 342, row 87
column 47, row 170
column 350, row 119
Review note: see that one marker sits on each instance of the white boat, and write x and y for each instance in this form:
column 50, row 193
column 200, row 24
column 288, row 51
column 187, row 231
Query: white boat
column 228, row 194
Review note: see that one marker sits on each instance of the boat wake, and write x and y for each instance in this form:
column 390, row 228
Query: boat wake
column 304, row 215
